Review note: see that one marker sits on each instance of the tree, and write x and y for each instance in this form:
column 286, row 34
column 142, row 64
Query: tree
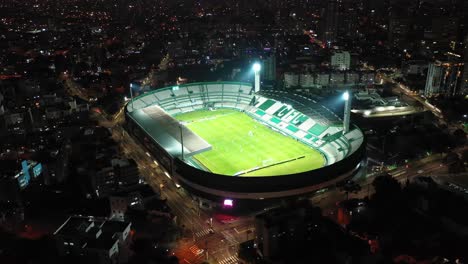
column 350, row 187
column 387, row 190
column 460, row 135
column 464, row 156
column 164, row 64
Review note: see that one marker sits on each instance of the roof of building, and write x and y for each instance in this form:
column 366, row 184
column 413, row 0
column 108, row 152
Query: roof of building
column 75, row 225
column 168, row 132
column 112, row 227
column 93, row 233
column 102, row 242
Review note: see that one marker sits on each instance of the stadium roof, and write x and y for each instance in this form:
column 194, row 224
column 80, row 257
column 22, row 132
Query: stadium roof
column 166, row 131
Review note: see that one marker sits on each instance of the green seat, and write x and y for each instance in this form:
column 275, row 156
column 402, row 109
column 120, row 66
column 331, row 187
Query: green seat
column 260, row 112
column 267, row 104
column 317, row 129
column 275, row 120
column 292, row 128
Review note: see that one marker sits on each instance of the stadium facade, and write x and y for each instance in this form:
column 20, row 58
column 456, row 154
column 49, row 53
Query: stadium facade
column 150, row 119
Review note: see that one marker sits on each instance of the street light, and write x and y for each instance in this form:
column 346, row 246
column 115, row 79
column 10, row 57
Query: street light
column 256, row 68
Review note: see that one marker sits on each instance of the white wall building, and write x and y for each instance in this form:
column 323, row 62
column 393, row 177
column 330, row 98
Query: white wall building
column 323, row 79
column 341, row 60
column 433, row 80
column 352, row 77
column 307, row 80
column 291, row 79
column 337, row 78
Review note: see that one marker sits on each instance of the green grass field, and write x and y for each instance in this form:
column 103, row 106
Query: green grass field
column 241, row 143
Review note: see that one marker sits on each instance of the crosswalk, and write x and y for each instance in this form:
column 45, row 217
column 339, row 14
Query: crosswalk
column 229, row 237
column 230, row 260
column 196, row 250
column 204, row 232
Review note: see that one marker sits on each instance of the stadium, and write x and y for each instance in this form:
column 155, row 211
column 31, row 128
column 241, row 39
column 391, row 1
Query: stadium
column 224, row 142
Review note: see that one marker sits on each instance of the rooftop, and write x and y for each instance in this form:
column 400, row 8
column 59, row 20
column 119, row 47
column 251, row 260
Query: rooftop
column 168, row 132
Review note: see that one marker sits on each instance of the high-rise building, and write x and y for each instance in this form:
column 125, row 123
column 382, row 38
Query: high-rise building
column 433, row 80
column 269, row 68
column 464, row 81
column 330, row 22
column 341, row 60
column 444, row 78
column 348, row 19
column 399, row 27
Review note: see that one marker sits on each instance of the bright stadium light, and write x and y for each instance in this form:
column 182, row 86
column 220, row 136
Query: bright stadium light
column 257, row 67
column 346, row 96
column 347, row 111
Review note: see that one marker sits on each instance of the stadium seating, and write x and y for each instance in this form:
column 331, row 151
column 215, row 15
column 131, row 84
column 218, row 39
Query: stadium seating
column 295, row 115
column 197, row 96
column 318, row 128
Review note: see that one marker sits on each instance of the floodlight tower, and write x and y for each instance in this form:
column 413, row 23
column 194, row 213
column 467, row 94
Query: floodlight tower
column 256, row 68
column 347, row 111
column 181, row 141
column 131, row 95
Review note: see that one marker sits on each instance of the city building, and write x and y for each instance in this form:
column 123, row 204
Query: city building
column 137, row 197
column 370, row 104
column 269, row 68
column 337, row 79
column 399, row 27
column 94, row 239
column 433, row 80
column 113, row 175
column 349, row 19
column 341, row 60
column 327, row 79
column 102, row 169
column 414, row 67
column 444, row 77
column 464, row 81
column 291, row 79
column 329, row 22
column 11, row 215
column 298, row 232
column 307, row 80
column 16, row 176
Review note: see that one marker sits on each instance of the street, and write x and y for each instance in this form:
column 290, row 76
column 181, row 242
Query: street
column 203, row 237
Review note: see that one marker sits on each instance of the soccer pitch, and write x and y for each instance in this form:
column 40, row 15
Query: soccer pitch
column 240, row 144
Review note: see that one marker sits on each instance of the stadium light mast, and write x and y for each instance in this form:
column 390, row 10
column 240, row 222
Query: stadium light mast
column 256, row 68
column 131, row 95
column 181, row 141
column 347, row 111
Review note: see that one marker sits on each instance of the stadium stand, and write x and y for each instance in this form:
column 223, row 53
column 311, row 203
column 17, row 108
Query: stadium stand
column 298, row 116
